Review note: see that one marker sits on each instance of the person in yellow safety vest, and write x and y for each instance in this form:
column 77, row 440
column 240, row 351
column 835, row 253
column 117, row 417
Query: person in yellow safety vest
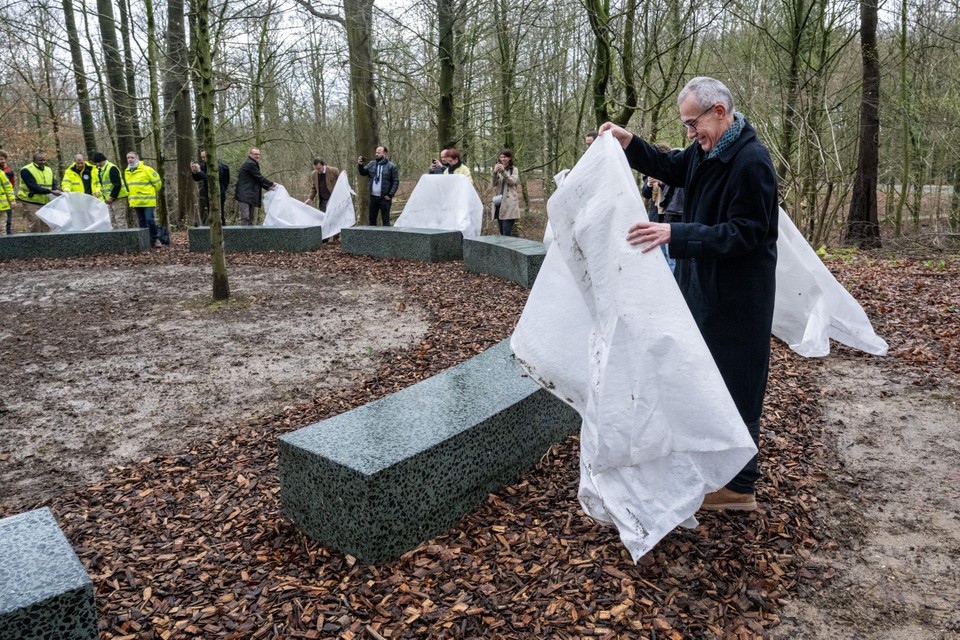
column 112, row 188
column 36, row 188
column 143, row 185
column 82, row 177
column 7, row 200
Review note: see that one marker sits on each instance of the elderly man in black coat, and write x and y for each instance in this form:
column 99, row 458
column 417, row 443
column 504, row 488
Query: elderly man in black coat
column 725, row 246
column 250, row 182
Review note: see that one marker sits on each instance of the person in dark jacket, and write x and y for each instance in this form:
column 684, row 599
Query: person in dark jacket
column 725, row 246
column 250, row 183
column 199, row 174
column 384, row 182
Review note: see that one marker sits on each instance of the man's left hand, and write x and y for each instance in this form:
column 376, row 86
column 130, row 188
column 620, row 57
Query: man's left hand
column 654, row 233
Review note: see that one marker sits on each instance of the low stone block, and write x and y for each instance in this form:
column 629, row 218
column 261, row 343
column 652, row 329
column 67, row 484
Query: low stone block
column 514, row 259
column 44, row 590
column 405, row 243
column 257, row 239
column 378, row 480
column 24, row 246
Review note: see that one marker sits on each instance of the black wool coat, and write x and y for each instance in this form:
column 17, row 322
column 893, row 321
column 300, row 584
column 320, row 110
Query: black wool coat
column 726, row 251
column 250, row 182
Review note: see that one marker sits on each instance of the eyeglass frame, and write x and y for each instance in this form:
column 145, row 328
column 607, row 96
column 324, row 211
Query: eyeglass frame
column 693, row 123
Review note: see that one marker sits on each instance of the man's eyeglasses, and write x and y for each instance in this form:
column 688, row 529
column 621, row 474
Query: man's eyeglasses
column 692, row 124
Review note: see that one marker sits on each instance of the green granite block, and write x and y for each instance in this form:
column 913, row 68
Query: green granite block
column 24, row 246
column 378, row 480
column 255, row 239
column 44, row 590
column 404, row 243
column 514, row 259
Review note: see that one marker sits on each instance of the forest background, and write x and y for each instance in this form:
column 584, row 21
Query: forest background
column 826, row 83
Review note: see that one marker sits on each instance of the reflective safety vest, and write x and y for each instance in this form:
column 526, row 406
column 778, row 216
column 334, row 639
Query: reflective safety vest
column 73, row 180
column 6, row 197
column 143, row 183
column 43, row 178
column 106, row 183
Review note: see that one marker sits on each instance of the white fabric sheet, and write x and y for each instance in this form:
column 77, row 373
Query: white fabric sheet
column 548, row 231
column 340, row 212
column 811, row 306
column 659, row 427
column 283, row 211
column 73, row 212
column 444, row 202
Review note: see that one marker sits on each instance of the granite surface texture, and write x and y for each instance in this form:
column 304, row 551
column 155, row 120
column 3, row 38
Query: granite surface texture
column 257, row 239
column 44, row 590
column 404, row 243
column 24, row 246
column 515, row 259
column 377, row 481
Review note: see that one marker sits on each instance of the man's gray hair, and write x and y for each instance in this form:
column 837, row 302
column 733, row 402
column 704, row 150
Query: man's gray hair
column 708, row 92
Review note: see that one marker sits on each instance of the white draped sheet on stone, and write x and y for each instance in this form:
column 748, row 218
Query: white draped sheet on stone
column 283, row 211
column 340, row 212
column 811, row 306
column 444, row 202
column 75, row 212
column 606, row 329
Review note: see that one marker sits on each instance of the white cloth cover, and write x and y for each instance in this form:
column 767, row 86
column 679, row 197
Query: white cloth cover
column 444, row 202
column 659, row 427
column 283, row 211
column 340, row 212
column 73, row 212
column 811, row 306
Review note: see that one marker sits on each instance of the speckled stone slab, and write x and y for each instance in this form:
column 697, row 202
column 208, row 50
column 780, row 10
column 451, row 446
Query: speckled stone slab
column 514, row 259
column 45, row 592
column 378, row 480
column 24, row 246
column 405, row 243
column 256, row 239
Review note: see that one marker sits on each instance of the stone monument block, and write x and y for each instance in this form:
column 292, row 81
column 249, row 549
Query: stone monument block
column 256, row 239
column 24, row 246
column 405, row 243
column 514, row 259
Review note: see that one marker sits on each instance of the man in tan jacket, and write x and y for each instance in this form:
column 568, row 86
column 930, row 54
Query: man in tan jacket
column 322, row 181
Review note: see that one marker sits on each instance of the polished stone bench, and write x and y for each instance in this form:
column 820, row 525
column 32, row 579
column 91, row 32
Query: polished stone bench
column 380, row 479
column 44, row 590
column 514, row 259
column 405, row 243
column 257, row 239
column 24, row 246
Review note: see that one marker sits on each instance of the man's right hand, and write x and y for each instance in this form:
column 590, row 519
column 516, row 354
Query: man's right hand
column 623, row 136
column 360, row 160
column 109, row 200
column 57, row 192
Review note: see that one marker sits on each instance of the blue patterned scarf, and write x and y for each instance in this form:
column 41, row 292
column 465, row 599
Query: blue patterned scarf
column 729, row 136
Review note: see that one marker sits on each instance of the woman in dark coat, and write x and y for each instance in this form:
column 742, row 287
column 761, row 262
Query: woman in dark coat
column 725, row 247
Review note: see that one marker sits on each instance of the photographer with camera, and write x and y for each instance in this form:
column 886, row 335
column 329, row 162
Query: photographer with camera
column 506, row 206
column 384, row 182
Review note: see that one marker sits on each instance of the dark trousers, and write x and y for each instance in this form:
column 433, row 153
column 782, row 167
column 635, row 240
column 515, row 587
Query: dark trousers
column 506, row 227
column 204, row 211
column 379, row 205
column 146, row 221
column 9, row 221
column 745, row 481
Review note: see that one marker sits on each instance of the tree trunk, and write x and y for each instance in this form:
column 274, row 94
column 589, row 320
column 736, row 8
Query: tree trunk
column 129, row 71
column 179, row 127
column 156, row 117
column 204, row 62
column 122, row 100
column 358, row 15
column 507, row 71
column 83, row 96
column 863, row 227
column 446, row 120
column 102, row 104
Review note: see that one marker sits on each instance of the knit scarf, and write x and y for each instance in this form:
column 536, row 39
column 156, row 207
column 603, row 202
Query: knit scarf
column 729, row 136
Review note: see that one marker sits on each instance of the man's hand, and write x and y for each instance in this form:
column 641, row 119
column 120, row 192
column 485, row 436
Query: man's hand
column 387, row 198
column 194, row 167
column 109, row 200
column 654, row 233
column 57, row 192
column 307, row 201
column 622, row 135
column 360, row 160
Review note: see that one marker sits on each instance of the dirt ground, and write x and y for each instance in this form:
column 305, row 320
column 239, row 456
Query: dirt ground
column 106, row 367
column 103, row 367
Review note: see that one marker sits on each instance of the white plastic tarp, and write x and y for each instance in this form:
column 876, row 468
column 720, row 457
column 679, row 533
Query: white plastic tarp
column 73, row 212
column 548, row 231
column 340, row 213
column 659, row 427
column 283, row 211
column 444, row 202
column 811, row 306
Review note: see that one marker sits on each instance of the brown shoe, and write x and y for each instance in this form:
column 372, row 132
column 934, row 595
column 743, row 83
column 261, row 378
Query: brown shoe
column 730, row 500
